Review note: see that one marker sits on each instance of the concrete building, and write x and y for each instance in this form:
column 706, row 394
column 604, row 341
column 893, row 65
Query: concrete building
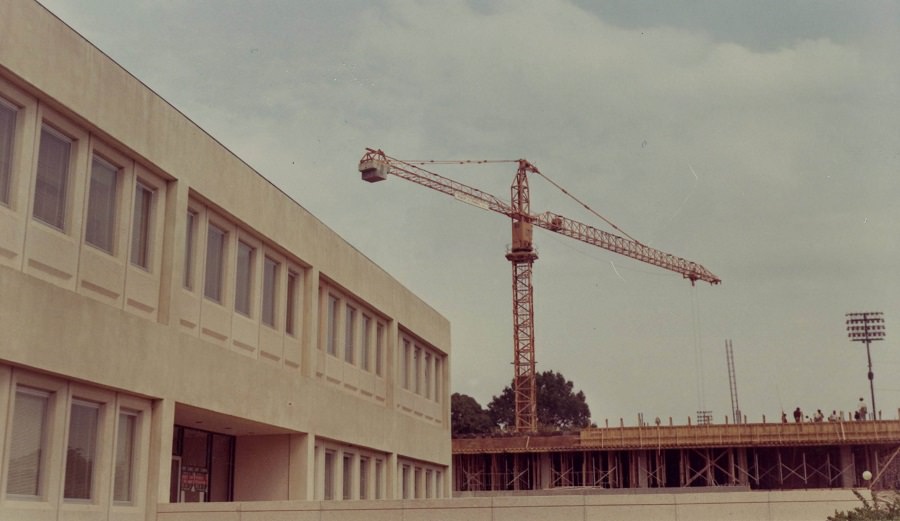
column 175, row 328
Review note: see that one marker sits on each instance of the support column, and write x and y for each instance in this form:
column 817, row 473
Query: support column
column 159, row 471
column 639, row 463
column 392, row 491
column 743, row 470
column 544, row 471
column 302, row 467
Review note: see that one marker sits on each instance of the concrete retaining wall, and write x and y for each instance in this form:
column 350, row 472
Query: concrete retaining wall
column 725, row 506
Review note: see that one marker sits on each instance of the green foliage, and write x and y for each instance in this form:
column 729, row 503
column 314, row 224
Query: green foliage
column 878, row 509
column 559, row 407
column 467, row 416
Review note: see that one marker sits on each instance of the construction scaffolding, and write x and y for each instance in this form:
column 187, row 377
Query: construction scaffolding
column 755, row 456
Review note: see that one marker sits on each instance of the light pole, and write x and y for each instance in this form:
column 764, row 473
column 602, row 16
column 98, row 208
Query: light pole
column 867, row 327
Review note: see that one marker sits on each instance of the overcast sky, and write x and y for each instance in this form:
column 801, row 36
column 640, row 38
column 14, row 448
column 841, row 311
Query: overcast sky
column 760, row 139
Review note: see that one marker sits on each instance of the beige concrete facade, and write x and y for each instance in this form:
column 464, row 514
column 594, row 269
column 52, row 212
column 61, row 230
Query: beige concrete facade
column 712, row 506
column 174, row 326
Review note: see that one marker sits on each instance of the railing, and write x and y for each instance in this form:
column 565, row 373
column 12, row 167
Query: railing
column 754, row 434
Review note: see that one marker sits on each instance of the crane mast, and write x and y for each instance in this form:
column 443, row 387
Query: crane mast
column 375, row 166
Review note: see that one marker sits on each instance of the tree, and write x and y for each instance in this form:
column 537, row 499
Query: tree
column 883, row 510
column 558, row 406
column 467, row 416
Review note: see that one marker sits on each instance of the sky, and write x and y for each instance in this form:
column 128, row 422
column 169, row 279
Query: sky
column 760, row 139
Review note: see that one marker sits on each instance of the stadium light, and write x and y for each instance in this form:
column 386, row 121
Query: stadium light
column 867, row 327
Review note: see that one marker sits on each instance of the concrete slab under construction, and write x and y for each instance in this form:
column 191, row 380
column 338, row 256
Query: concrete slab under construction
column 758, row 456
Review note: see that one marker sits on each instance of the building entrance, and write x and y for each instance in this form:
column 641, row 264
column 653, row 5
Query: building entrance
column 202, row 466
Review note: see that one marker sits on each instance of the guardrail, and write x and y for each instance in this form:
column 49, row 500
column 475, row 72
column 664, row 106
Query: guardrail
column 734, row 435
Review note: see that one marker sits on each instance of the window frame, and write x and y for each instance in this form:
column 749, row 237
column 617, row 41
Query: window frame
column 293, row 290
column 191, row 238
column 244, row 270
column 221, row 264
column 114, row 211
column 67, row 180
column 350, row 313
column 9, row 164
column 271, row 282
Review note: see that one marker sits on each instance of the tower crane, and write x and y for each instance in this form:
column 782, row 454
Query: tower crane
column 375, row 166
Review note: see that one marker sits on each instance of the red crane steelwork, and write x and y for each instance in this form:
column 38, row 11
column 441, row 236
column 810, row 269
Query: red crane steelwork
column 375, row 166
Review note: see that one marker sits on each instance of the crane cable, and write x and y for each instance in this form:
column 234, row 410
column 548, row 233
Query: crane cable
column 535, row 170
column 586, row 207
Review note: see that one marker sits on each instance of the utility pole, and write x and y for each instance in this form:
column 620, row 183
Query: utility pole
column 867, row 327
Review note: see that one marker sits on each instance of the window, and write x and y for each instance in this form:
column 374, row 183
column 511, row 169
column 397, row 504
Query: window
column 7, row 133
column 404, row 365
column 379, row 347
column 427, row 375
column 331, row 326
column 28, row 443
column 328, row 489
column 348, row 476
column 123, row 480
column 140, row 226
column 363, row 478
column 366, row 342
column 52, row 178
column 190, row 237
column 290, row 318
column 417, row 482
column 417, row 370
column 82, row 450
column 101, row 213
column 243, row 278
column 429, row 480
column 270, row 279
column 437, row 378
column 350, row 335
column 215, row 263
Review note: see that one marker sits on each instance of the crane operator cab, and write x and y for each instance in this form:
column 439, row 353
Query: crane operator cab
column 373, row 170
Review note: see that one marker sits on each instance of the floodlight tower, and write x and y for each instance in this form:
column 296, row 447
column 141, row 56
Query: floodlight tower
column 867, row 327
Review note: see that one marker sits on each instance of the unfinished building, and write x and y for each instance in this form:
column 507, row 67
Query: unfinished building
column 762, row 456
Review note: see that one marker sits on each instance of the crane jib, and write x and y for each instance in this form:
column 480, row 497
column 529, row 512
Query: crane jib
column 474, row 201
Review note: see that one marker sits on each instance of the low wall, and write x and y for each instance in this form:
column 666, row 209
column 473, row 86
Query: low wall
column 797, row 505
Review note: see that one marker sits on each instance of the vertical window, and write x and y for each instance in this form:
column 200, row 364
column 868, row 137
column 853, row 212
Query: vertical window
column 429, row 481
column 363, row 478
column 215, row 263
column 52, row 178
column 348, row 476
column 140, row 226
column 329, row 475
column 290, row 318
column 379, row 479
column 331, row 326
column 270, row 279
column 404, row 365
column 417, row 370
column 437, row 378
column 350, row 334
column 101, row 212
column 7, row 132
column 82, row 450
column 28, row 443
column 438, row 483
column 243, row 278
column 405, row 478
column 379, row 348
column 417, row 482
column 190, row 237
column 123, row 478
column 366, row 346
column 427, row 375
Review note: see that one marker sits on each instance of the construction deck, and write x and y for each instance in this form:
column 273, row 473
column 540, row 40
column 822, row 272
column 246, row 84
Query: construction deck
column 767, row 456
